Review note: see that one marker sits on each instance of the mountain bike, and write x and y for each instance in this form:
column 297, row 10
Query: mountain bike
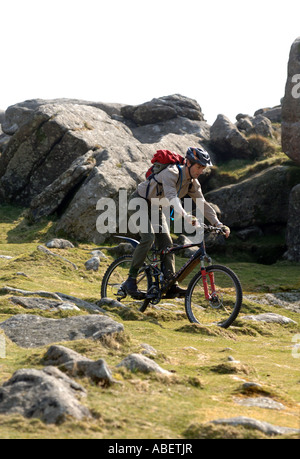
column 213, row 296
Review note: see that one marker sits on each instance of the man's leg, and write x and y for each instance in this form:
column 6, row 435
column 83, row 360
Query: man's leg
column 139, row 257
column 164, row 240
column 140, row 252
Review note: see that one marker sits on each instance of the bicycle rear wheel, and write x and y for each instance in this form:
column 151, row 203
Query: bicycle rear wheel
column 116, row 274
column 224, row 304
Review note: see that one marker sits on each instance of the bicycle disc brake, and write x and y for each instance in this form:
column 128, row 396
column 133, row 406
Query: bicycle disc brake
column 216, row 300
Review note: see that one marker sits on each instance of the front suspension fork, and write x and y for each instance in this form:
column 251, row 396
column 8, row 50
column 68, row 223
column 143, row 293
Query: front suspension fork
column 211, row 276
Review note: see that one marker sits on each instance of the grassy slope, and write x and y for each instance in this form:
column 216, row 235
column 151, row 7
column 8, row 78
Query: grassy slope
column 203, row 386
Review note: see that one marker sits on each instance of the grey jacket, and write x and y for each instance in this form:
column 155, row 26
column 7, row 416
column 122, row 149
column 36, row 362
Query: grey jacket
column 170, row 183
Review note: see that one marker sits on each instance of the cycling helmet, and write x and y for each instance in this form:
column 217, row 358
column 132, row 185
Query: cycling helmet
column 198, row 156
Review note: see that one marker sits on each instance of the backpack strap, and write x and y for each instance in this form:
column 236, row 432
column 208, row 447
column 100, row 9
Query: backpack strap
column 180, row 177
column 152, row 176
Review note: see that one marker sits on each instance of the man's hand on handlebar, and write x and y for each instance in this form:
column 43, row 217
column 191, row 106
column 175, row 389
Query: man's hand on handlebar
column 226, row 231
column 223, row 229
column 192, row 220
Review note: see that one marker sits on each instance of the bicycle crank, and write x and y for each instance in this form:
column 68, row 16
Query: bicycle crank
column 154, row 295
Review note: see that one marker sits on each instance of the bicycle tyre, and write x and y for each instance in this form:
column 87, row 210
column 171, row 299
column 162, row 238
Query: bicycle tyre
column 109, row 289
column 229, row 295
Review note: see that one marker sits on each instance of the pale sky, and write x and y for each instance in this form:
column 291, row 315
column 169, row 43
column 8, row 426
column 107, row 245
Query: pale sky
column 229, row 55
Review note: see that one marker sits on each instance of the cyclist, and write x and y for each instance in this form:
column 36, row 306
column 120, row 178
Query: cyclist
column 169, row 186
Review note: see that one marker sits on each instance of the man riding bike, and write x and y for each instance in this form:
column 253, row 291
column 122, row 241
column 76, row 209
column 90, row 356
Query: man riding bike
column 167, row 185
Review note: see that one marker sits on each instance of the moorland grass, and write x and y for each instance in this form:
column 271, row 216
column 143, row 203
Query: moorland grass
column 202, row 384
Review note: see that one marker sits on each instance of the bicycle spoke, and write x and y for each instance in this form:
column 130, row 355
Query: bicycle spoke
column 115, row 276
column 223, row 303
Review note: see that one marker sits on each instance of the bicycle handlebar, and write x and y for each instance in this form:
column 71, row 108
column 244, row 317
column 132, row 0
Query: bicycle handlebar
column 214, row 229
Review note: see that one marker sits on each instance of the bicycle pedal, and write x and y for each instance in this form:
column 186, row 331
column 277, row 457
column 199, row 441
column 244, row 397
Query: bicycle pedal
column 150, row 296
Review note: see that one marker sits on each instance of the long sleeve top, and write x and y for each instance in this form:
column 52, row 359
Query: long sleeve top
column 169, row 182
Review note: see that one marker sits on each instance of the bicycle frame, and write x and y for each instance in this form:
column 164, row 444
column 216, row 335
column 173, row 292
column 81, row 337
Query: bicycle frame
column 199, row 300
column 199, row 257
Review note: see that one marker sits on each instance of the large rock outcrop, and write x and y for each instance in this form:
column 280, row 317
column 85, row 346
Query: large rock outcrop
column 291, row 106
column 293, row 225
column 64, row 155
column 259, row 200
column 162, row 109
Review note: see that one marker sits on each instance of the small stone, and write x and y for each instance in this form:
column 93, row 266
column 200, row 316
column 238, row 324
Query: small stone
column 92, row 264
column 147, row 349
column 270, row 317
column 138, row 362
column 260, row 402
column 59, row 244
column 265, row 427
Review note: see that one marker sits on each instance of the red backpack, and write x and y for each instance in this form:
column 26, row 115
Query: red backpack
column 161, row 160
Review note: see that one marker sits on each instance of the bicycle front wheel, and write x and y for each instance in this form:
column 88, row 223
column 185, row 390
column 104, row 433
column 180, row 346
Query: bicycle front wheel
column 115, row 276
column 223, row 304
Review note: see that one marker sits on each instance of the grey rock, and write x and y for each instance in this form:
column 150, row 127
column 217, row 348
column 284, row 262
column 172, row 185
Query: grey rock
column 192, row 130
column 251, row 231
column 227, row 141
column 252, row 386
column 290, row 125
column 98, row 253
column 273, row 113
column 262, row 126
column 287, row 300
column 138, row 362
column 59, row 244
column 265, row 427
column 232, row 359
column 110, row 302
column 260, row 402
column 163, row 109
column 43, row 304
column 259, row 125
column 77, row 365
column 64, row 155
column 19, row 114
column 245, row 124
column 45, row 394
column 293, row 225
column 241, row 207
column 61, row 297
column 270, row 317
column 17, row 291
column 30, row 331
column 2, row 116
column 92, row 264
column 4, row 140
column 52, row 139
column 88, row 306
column 147, row 349
column 52, row 196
